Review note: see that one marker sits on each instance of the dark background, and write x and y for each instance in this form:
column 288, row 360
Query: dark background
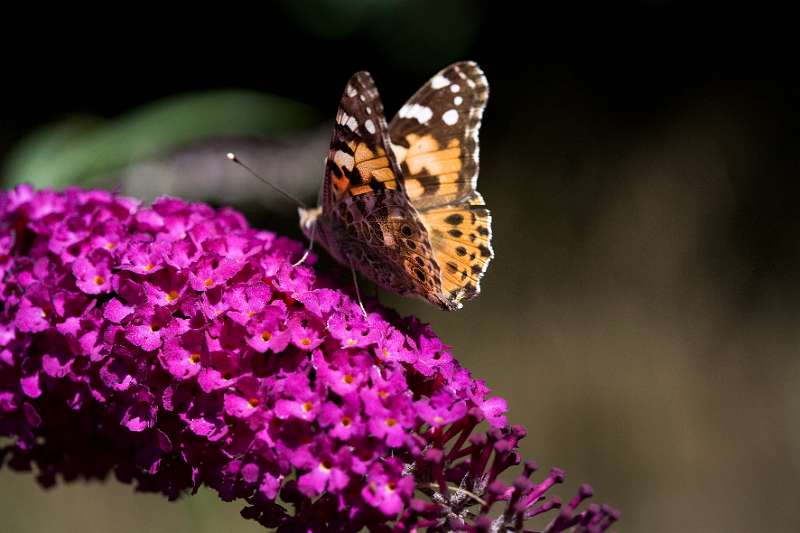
column 641, row 162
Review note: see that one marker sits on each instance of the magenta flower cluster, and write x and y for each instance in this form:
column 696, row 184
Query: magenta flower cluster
column 175, row 346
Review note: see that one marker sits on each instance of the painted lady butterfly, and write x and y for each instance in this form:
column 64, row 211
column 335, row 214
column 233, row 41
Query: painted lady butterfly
column 399, row 202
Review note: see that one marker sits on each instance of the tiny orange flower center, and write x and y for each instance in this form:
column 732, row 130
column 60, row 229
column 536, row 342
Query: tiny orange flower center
column 149, row 267
column 110, row 245
column 326, row 465
column 208, row 282
column 346, row 421
column 386, row 352
column 172, row 296
column 253, row 402
column 266, row 336
column 308, row 406
column 383, row 394
column 305, row 342
column 350, row 342
column 194, row 358
column 391, row 486
column 348, row 379
column 438, row 419
column 99, row 280
column 391, row 422
column 155, row 327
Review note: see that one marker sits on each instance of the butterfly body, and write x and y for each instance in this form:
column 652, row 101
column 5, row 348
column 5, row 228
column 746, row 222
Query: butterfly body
column 398, row 202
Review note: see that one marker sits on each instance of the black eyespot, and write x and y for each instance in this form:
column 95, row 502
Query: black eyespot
column 420, row 274
column 411, row 244
column 406, row 230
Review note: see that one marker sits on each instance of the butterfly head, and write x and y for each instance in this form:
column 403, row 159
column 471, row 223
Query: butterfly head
column 308, row 220
column 316, row 230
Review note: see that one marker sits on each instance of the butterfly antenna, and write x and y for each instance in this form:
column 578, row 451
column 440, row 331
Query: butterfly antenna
column 238, row 161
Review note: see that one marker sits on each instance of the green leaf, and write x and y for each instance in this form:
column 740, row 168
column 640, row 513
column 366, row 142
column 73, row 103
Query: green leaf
column 84, row 150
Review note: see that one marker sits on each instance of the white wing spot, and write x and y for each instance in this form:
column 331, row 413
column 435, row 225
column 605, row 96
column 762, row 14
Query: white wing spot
column 344, row 160
column 458, row 100
column 439, row 81
column 424, row 114
column 370, row 126
column 352, row 123
column 420, row 112
column 362, row 98
column 455, row 88
column 450, row 117
column 351, row 91
column 369, row 110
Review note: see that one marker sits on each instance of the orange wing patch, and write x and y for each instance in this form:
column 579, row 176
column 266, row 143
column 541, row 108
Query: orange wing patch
column 363, row 171
column 429, row 166
column 373, row 167
column 432, row 172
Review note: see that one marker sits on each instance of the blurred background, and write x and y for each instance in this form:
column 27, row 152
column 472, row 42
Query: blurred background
column 641, row 162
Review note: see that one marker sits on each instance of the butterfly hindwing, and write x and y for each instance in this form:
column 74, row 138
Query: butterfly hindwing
column 357, row 161
column 461, row 240
column 384, row 239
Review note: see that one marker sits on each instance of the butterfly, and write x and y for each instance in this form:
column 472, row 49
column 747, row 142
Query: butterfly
column 398, row 202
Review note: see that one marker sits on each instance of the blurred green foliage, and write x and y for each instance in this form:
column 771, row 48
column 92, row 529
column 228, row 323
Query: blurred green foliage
column 85, row 150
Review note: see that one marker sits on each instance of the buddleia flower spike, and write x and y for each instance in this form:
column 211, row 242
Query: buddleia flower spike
column 177, row 347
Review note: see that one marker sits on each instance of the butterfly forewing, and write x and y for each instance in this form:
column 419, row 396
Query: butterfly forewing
column 435, row 136
column 357, row 161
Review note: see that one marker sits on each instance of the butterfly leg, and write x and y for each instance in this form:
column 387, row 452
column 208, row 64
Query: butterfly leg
column 310, row 247
column 355, row 284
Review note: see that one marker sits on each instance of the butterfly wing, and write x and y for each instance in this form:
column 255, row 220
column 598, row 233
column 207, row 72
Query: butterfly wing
column 357, row 160
column 434, row 138
column 372, row 224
